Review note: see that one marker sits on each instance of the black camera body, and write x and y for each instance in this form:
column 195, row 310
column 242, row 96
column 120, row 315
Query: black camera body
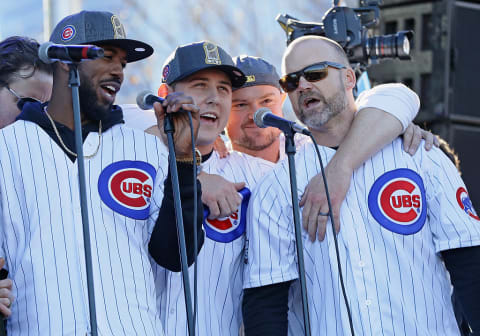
column 349, row 27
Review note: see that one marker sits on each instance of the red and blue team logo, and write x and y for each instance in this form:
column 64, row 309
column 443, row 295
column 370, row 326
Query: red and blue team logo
column 465, row 203
column 397, row 201
column 226, row 230
column 68, row 33
column 165, row 72
column 126, row 187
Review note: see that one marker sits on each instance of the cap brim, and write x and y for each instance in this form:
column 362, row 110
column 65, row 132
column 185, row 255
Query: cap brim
column 136, row 50
column 236, row 76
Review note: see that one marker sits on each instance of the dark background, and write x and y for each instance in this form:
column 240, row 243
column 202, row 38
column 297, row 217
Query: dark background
column 445, row 72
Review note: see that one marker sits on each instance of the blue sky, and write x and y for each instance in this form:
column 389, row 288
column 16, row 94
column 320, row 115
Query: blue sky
column 240, row 27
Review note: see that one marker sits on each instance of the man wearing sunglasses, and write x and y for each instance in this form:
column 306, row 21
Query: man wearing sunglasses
column 409, row 230
column 263, row 89
column 23, row 77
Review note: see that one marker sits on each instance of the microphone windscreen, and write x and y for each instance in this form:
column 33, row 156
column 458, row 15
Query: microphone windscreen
column 43, row 52
column 259, row 115
column 142, row 100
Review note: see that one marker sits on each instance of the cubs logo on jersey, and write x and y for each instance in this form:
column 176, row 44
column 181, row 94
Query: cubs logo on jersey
column 126, row 187
column 397, row 201
column 465, row 203
column 226, row 230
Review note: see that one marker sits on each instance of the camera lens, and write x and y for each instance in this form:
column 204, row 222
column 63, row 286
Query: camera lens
column 389, row 46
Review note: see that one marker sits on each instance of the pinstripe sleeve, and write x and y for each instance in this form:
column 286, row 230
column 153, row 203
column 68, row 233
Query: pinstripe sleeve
column 2, row 234
column 454, row 222
column 270, row 253
column 396, row 99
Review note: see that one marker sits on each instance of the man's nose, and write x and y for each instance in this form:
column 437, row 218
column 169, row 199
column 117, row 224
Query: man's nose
column 303, row 84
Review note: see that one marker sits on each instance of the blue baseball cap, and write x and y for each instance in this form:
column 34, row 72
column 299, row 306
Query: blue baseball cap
column 191, row 58
column 258, row 71
column 94, row 27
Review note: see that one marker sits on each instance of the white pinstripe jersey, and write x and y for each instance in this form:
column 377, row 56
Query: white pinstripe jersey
column 219, row 263
column 43, row 241
column 399, row 213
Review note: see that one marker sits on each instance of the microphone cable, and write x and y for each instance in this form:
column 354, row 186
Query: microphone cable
column 195, row 231
column 330, row 214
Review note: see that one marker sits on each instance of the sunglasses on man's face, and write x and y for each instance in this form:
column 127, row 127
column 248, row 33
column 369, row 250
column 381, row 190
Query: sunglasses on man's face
column 312, row 73
column 22, row 100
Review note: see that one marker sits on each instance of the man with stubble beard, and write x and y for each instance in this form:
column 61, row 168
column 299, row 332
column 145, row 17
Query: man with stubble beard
column 41, row 231
column 409, row 234
column 262, row 90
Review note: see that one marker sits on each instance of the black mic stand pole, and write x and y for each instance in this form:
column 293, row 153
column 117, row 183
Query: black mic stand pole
column 74, row 83
column 290, row 150
column 172, row 162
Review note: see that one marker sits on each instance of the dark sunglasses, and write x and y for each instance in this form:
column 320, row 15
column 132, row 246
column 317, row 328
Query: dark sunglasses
column 22, row 100
column 312, row 73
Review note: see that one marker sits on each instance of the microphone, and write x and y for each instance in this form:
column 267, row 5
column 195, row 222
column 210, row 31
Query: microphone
column 49, row 52
column 145, row 100
column 263, row 117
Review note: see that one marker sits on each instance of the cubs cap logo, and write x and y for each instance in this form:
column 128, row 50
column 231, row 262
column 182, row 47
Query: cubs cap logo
column 226, row 230
column 211, row 54
column 68, row 33
column 465, row 203
column 397, row 201
column 165, row 72
column 126, row 187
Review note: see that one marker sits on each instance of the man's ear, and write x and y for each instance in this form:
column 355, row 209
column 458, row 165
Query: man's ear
column 350, row 79
column 283, row 96
column 164, row 90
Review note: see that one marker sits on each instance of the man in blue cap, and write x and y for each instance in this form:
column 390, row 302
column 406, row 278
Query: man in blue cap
column 41, row 234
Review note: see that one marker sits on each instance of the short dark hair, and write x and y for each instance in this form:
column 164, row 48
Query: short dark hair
column 20, row 53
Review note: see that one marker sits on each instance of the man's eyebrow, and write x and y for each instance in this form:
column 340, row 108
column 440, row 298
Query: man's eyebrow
column 262, row 97
column 226, row 83
column 267, row 95
column 193, row 78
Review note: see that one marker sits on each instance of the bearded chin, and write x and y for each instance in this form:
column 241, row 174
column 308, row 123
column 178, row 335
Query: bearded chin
column 332, row 107
column 89, row 105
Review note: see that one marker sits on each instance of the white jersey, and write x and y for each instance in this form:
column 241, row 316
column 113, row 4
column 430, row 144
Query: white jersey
column 395, row 99
column 399, row 213
column 220, row 261
column 42, row 236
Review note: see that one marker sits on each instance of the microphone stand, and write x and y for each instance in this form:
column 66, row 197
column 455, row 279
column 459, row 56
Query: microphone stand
column 74, row 83
column 290, row 150
column 169, row 129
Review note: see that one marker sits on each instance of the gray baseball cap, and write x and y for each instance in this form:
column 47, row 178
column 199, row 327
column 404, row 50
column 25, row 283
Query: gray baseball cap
column 257, row 70
column 191, row 58
column 93, row 27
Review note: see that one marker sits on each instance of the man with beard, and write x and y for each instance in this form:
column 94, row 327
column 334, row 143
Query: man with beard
column 262, row 89
column 407, row 235
column 41, row 230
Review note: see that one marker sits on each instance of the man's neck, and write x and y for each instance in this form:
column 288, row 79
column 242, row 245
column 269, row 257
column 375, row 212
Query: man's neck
column 333, row 133
column 206, row 149
column 61, row 110
column 271, row 153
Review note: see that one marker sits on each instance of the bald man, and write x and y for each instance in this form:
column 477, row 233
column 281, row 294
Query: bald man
column 409, row 231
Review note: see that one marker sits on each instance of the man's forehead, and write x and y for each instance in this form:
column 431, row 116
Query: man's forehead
column 306, row 53
column 209, row 75
column 113, row 49
column 255, row 92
